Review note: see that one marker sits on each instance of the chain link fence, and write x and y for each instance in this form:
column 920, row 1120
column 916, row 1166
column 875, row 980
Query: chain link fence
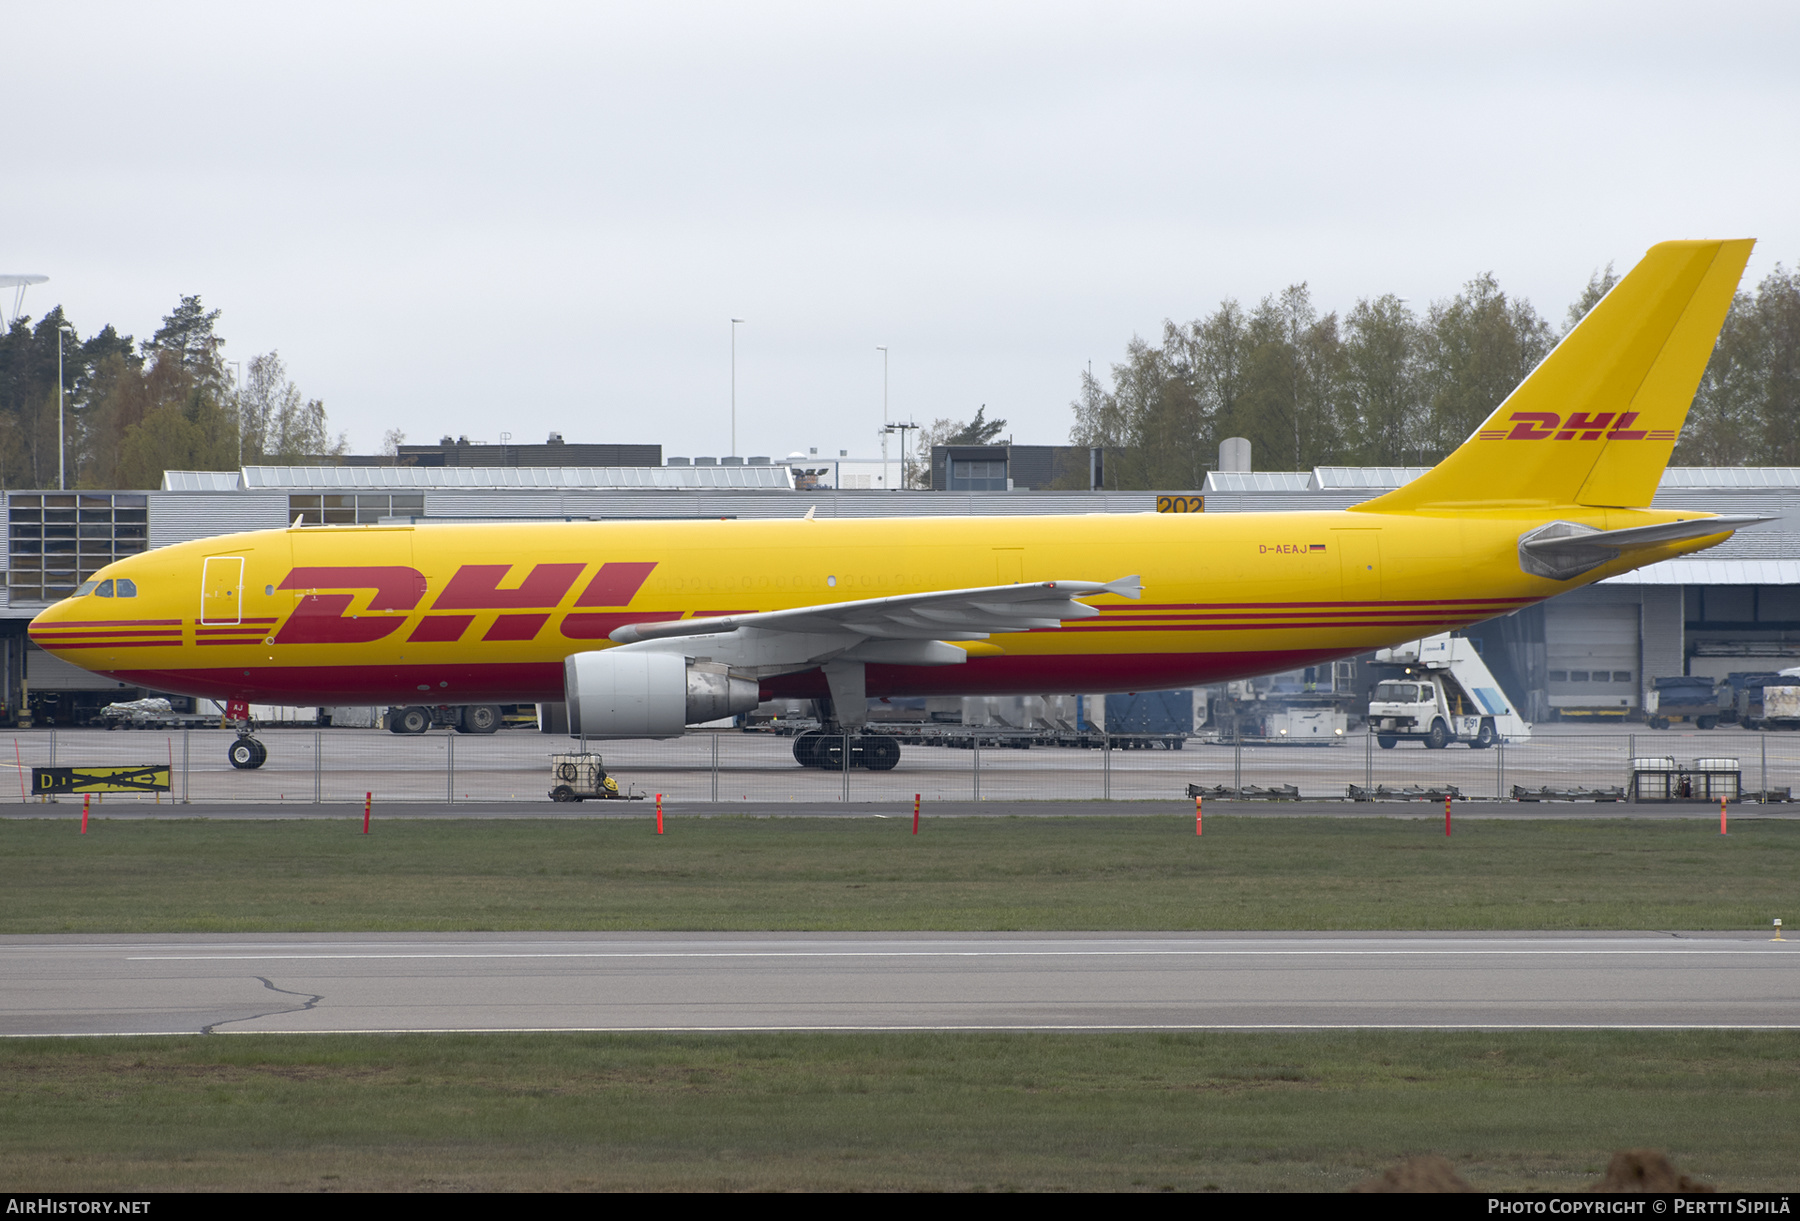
column 342, row 765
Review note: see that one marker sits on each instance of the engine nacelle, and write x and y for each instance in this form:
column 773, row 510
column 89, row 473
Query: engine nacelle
column 618, row 693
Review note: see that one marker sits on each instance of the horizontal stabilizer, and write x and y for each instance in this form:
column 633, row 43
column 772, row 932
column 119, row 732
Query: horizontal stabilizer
column 1563, row 549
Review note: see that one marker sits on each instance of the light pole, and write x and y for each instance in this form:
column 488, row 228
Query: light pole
column 902, row 430
column 62, row 447
column 734, row 327
column 882, row 348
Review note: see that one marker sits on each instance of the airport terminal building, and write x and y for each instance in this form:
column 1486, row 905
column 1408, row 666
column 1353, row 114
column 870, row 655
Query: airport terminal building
column 1593, row 651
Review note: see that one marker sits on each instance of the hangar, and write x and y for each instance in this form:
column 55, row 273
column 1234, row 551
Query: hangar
column 1593, row 652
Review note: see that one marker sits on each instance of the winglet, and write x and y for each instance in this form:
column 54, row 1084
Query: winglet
column 1126, row 587
column 809, row 512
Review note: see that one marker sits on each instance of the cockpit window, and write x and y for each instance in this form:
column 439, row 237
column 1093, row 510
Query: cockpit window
column 121, row 587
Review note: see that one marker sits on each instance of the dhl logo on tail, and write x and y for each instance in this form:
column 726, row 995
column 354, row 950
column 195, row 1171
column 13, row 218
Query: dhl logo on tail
column 1545, row 425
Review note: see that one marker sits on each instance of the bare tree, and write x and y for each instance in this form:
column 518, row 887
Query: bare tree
column 279, row 424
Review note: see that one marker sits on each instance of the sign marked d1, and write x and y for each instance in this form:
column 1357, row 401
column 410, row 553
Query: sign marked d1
column 150, row 778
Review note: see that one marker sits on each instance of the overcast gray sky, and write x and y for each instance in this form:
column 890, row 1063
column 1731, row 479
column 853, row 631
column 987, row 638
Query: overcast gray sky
column 525, row 217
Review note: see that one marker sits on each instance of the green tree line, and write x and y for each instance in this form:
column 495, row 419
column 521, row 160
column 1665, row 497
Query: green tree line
column 1388, row 385
column 131, row 410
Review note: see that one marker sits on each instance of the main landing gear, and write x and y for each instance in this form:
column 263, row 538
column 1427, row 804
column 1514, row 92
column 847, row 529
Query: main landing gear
column 874, row 752
column 839, row 743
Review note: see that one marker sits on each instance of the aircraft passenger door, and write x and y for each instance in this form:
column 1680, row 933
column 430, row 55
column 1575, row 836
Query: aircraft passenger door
column 1359, row 561
column 222, row 590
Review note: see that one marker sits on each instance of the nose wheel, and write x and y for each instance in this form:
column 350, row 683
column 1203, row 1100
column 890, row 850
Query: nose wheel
column 247, row 754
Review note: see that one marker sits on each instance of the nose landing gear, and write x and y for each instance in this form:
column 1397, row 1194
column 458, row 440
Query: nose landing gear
column 247, row 754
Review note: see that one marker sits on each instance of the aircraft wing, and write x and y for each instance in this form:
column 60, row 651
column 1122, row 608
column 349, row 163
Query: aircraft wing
column 951, row 614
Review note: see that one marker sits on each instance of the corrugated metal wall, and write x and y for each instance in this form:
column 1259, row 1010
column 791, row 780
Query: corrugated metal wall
column 179, row 517
column 1283, row 502
column 825, row 503
column 1778, row 539
column 45, row 672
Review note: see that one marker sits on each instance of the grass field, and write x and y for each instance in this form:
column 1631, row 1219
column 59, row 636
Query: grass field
column 859, row 874
column 887, row 1111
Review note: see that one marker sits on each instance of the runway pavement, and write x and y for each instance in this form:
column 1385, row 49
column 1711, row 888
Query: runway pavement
column 74, row 985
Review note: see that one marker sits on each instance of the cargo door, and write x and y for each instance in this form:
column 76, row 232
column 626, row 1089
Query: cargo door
column 222, row 590
column 1359, row 561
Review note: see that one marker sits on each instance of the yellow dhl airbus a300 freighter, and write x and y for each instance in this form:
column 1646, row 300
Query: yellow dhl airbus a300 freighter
column 644, row 628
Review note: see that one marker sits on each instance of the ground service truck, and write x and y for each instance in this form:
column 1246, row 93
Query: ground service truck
column 1443, row 693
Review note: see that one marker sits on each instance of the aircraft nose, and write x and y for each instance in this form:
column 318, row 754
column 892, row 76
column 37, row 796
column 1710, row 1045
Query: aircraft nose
column 51, row 626
column 47, row 618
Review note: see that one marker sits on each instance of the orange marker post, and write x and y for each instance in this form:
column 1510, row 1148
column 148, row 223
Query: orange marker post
column 1722, row 830
column 368, row 804
column 1446, row 816
column 659, row 813
column 85, row 798
column 1197, row 814
column 915, row 813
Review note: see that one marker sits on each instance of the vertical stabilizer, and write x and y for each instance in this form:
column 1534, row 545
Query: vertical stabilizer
column 1595, row 423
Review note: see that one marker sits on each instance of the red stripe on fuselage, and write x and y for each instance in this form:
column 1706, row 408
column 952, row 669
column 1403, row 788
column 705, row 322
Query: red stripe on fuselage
column 1085, row 628
column 87, row 634
column 598, row 625
column 1381, row 616
column 60, row 645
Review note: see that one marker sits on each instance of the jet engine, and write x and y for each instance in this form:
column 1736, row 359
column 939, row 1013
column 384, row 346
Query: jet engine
column 618, row 693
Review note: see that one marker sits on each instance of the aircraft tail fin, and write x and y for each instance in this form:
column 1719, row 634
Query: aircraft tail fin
column 1595, row 423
